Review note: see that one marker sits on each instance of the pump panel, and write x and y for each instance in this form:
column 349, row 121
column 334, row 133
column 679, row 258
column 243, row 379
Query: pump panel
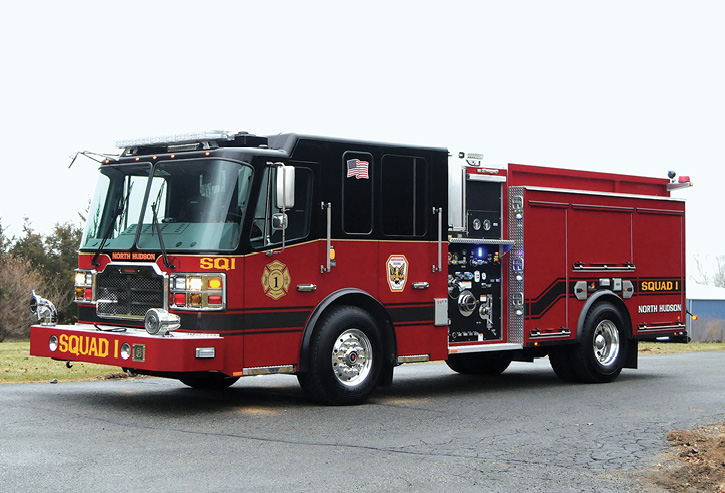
column 474, row 290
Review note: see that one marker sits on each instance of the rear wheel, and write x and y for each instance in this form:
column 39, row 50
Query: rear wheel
column 208, row 380
column 600, row 355
column 346, row 358
column 487, row 363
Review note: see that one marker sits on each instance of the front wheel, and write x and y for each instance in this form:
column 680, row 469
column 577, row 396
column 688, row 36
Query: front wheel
column 346, row 358
column 600, row 355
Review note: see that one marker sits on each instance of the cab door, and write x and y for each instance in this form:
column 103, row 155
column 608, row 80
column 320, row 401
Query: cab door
column 276, row 303
column 411, row 276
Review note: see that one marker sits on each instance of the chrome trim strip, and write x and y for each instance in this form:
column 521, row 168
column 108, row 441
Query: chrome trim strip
column 487, row 177
column 660, row 328
column 269, row 370
column 416, row 358
column 608, row 194
column 480, row 348
column 483, row 241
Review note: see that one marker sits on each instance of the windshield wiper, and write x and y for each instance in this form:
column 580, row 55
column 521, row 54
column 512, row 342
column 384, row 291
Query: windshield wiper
column 106, row 236
column 111, row 225
column 156, row 224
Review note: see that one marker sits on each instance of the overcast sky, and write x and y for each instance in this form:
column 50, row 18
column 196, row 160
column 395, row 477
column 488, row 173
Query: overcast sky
column 622, row 86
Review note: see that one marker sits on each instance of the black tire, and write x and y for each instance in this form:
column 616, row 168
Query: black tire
column 600, row 355
column 456, row 363
column 346, row 358
column 488, row 363
column 560, row 361
column 208, row 380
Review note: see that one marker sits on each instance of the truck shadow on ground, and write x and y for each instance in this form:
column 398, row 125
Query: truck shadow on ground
column 282, row 392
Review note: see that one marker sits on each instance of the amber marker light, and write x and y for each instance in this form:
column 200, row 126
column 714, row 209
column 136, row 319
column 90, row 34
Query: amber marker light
column 215, row 283
column 207, row 153
column 173, row 156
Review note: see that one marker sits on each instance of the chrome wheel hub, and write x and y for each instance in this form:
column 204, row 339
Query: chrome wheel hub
column 606, row 343
column 352, row 356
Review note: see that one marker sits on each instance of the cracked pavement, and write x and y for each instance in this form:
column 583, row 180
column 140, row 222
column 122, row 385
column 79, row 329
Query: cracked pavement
column 432, row 429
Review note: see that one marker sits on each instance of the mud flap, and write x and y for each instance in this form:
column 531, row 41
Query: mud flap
column 386, row 378
column 632, row 352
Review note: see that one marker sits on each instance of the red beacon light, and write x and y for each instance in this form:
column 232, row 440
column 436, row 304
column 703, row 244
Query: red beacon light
column 681, row 182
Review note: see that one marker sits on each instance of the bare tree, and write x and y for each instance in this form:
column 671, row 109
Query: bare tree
column 17, row 278
column 703, row 276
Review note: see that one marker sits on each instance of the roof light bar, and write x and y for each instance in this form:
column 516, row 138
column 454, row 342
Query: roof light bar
column 184, row 138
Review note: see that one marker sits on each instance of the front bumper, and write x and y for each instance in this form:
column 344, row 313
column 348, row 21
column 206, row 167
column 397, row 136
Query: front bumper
column 176, row 352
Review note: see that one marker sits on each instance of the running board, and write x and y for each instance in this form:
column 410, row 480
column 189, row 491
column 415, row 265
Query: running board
column 268, row 370
column 479, row 348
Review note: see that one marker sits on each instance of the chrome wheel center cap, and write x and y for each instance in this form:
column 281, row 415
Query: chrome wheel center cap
column 600, row 342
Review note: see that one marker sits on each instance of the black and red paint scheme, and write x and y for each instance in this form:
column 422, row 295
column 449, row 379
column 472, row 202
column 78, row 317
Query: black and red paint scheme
column 531, row 261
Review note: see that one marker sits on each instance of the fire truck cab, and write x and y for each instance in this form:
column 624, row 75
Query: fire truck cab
column 212, row 256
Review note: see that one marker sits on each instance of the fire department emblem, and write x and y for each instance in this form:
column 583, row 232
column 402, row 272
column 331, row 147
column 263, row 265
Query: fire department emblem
column 397, row 272
column 276, row 280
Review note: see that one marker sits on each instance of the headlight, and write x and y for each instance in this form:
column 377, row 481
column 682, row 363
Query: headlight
column 195, row 284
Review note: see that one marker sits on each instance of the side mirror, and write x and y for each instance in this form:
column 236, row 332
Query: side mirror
column 279, row 221
column 285, row 187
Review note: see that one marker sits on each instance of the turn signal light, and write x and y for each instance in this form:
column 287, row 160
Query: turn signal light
column 197, row 291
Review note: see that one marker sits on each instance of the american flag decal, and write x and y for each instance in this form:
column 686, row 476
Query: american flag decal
column 357, row 168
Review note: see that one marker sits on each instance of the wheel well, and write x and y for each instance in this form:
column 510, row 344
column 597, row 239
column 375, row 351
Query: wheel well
column 363, row 300
column 604, row 296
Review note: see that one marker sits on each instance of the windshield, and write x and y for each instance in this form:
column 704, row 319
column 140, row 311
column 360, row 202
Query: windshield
column 199, row 205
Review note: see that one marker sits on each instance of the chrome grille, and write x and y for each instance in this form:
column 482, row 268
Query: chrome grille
column 128, row 291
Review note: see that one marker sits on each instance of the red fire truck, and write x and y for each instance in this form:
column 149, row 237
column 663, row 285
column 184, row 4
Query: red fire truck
column 212, row 256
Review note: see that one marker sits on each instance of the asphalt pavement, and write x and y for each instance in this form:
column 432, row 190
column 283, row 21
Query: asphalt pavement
column 432, row 430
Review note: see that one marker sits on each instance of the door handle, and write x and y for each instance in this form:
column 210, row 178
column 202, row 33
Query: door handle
column 421, row 285
column 306, row 288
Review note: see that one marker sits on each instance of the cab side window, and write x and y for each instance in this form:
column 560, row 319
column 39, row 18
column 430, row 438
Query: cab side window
column 357, row 192
column 262, row 234
column 405, row 210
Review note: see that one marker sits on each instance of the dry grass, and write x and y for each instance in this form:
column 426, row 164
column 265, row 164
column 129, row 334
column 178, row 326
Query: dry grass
column 696, row 461
column 17, row 366
column 669, row 348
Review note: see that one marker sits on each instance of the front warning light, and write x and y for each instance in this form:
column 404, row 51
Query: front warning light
column 84, row 281
column 215, row 283
column 195, row 284
column 197, row 291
